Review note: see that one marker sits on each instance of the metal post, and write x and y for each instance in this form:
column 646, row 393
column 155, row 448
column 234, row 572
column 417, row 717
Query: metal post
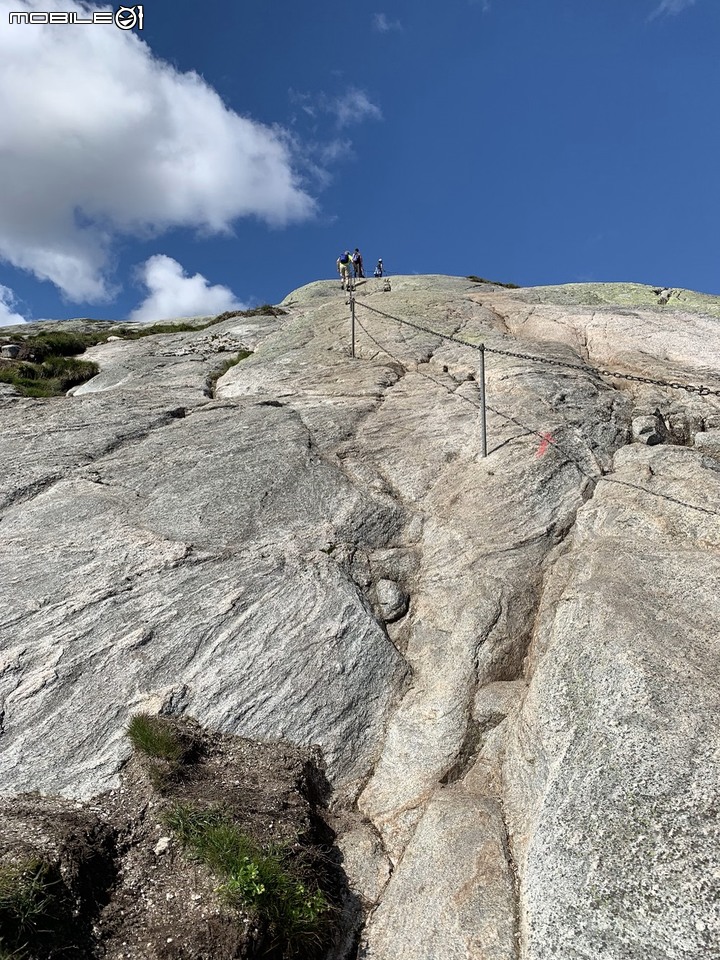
column 483, row 424
column 352, row 320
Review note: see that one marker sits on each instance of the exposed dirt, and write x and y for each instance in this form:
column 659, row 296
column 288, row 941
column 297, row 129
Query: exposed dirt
column 121, row 885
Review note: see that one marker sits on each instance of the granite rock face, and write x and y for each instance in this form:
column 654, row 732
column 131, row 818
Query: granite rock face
column 509, row 662
column 615, row 749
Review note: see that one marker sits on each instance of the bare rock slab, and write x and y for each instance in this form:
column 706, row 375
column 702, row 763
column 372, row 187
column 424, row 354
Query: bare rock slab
column 612, row 771
column 452, row 895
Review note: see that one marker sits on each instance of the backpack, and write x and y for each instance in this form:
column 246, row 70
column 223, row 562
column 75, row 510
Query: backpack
column 344, row 258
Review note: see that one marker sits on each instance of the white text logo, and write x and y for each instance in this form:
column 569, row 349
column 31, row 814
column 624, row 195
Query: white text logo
column 126, row 18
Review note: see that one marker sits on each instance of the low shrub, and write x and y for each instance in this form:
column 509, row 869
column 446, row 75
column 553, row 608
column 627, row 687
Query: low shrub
column 10, row 372
column 46, row 345
column 69, row 371
column 265, row 310
column 495, row 283
column 51, row 378
column 136, row 333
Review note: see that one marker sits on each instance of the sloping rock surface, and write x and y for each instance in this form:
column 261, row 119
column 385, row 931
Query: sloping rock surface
column 510, row 662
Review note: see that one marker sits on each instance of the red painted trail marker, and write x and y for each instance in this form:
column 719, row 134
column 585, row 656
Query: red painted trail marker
column 547, row 439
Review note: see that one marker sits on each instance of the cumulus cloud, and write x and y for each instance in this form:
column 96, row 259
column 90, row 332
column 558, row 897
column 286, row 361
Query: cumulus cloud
column 100, row 138
column 383, row 25
column 174, row 294
column 8, row 300
column 670, row 7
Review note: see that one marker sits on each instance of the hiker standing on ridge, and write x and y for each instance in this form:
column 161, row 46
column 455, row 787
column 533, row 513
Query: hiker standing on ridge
column 358, row 264
column 379, row 269
column 344, row 262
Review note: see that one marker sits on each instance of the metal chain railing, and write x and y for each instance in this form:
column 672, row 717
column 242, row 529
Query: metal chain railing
column 594, row 477
column 699, row 389
column 526, row 430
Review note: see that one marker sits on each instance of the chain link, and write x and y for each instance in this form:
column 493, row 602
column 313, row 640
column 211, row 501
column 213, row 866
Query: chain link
column 700, row 389
column 417, row 326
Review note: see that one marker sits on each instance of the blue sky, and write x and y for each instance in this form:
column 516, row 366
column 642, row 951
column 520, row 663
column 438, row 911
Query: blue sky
column 228, row 152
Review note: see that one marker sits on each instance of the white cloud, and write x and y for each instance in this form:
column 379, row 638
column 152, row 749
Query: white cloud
column 318, row 156
column 354, row 106
column 101, row 138
column 350, row 106
column 383, row 25
column 8, row 300
column 670, row 7
column 174, row 294
column 335, row 150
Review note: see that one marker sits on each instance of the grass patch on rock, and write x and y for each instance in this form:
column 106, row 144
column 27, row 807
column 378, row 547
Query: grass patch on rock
column 164, row 746
column 265, row 310
column 223, row 369
column 155, row 737
column 233, row 859
column 265, row 882
column 28, row 906
column 51, row 378
column 46, row 364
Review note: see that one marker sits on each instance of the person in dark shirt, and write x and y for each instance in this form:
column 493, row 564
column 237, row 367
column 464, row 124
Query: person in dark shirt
column 358, row 264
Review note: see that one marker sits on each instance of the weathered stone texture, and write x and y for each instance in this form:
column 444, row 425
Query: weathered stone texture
column 613, row 772
column 509, row 662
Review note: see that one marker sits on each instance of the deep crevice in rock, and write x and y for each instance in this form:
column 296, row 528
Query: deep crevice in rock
column 466, row 755
column 515, row 874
